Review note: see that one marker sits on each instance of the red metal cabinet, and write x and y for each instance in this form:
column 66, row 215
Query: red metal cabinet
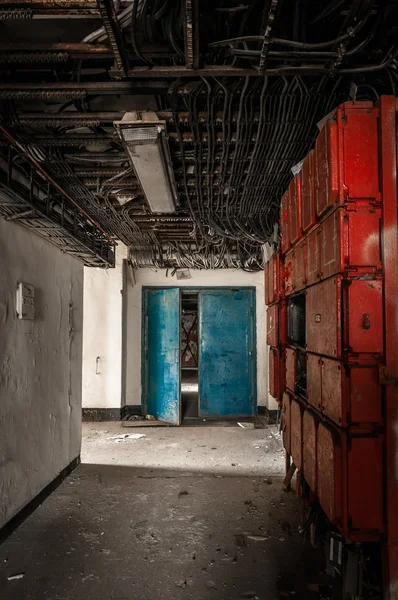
column 349, row 312
column 350, row 240
column 267, row 292
column 343, row 171
column 284, row 222
column 350, row 482
column 314, row 389
column 308, row 212
column 351, row 394
column 296, row 434
column 295, row 269
column 274, row 278
column 310, row 427
column 276, row 373
column 286, row 421
column 295, row 229
column 273, row 325
column 313, row 257
column 326, row 168
column 291, row 369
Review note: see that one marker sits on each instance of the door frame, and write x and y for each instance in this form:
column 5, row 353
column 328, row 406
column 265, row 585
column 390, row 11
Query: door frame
column 198, row 289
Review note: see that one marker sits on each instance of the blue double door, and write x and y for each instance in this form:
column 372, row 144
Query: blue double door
column 226, row 352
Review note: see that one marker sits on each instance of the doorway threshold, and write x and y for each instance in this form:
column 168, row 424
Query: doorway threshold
column 252, row 422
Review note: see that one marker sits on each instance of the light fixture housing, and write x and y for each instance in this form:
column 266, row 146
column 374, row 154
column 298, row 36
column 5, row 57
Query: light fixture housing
column 144, row 137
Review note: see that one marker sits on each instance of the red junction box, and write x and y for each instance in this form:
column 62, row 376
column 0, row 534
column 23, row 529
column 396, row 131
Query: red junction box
column 296, row 439
column 295, row 268
column 310, row 428
column 313, row 257
column 351, row 394
column 295, row 229
column 274, row 278
column 342, row 170
column 276, row 374
column 350, row 240
column 266, row 284
column 345, row 317
column 291, row 369
column 284, row 221
column 286, row 421
column 344, row 464
column 308, row 212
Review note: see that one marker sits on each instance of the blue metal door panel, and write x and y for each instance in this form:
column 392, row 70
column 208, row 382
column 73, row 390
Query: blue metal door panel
column 163, row 354
column 226, row 353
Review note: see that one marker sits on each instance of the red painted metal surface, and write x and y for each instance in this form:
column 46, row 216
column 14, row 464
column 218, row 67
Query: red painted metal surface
column 344, row 463
column 352, row 313
column 286, row 402
column 350, row 395
column 308, row 212
column 276, row 374
column 388, row 153
column 295, row 228
column 310, row 428
column 343, row 170
column 326, row 168
column 350, row 241
column 273, row 325
column 284, row 222
column 295, row 269
column 314, row 389
column 324, row 317
column 291, row 369
column 267, row 292
column 313, row 257
column 296, row 435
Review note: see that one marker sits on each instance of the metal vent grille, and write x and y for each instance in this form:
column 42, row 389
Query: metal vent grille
column 138, row 136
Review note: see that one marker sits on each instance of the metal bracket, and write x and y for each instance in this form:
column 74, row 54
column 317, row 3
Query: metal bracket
column 115, row 35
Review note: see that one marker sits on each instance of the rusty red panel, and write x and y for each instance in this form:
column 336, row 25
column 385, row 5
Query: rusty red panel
column 289, row 272
column 310, row 427
column 295, row 229
column 296, row 440
column 351, row 394
column 327, row 184
column 286, row 421
column 284, row 222
column 276, row 374
column 308, row 212
column 273, row 325
column 330, row 474
column 274, row 278
column 361, row 177
column 313, row 256
column 364, row 316
column 365, row 502
column 350, row 240
column 267, row 292
column 291, row 369
column 314, row 390
column 300, row 270
column 323, row 317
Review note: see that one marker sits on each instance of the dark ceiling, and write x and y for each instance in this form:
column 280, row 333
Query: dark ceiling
column 241, row 85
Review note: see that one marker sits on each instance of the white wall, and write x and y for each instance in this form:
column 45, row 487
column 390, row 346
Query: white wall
column 102, row 335
column 40, row 367
column 210, row 278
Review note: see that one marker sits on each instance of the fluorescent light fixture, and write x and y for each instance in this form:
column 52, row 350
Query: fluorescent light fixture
column 144, row 137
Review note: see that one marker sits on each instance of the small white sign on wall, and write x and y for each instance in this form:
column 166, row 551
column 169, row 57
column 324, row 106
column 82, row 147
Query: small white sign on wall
column 25, row 301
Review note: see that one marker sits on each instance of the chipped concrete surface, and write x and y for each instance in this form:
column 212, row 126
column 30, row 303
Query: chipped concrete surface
column 180, row 527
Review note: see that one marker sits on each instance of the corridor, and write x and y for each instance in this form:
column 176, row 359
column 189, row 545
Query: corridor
column 192, row 513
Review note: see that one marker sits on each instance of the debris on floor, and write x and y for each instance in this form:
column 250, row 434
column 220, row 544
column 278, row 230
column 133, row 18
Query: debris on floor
column 15, row 577
column 127, row 436
column 246, row 425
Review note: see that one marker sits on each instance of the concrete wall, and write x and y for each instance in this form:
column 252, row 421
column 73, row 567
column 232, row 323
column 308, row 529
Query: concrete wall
column 102, row 335
column 224, row 277
column 40, row 367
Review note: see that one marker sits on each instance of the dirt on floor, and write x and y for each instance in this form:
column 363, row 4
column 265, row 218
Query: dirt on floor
column 184, row 514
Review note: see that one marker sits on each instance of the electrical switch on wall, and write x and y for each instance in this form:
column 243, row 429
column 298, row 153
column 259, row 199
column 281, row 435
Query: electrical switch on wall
column 25, row 301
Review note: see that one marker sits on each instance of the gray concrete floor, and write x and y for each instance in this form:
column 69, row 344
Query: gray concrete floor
column 184, row 514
